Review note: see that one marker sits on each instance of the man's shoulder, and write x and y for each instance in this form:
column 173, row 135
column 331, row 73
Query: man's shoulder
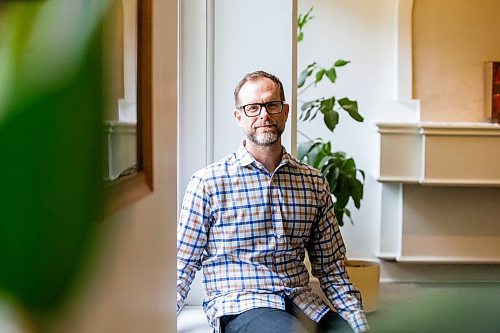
column 218, row 168
column 303, row 167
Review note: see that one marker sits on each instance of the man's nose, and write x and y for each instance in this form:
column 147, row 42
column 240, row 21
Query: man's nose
column 262, row 115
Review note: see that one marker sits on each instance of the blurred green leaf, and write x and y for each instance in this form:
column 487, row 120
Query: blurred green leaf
column 302, row 21
column 50, row 137
column 300, row 36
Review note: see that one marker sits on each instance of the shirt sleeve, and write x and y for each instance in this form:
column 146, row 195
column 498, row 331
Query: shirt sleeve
column 327, row 253
column 192, row 231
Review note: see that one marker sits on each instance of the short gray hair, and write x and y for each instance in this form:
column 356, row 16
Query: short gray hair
column 254, row 76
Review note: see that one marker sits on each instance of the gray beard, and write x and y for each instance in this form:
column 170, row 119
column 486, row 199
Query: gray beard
column 264, row 139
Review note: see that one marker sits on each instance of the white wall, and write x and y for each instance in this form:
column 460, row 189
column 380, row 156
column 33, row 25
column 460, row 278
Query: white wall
column 366, row 33
column 249, row 36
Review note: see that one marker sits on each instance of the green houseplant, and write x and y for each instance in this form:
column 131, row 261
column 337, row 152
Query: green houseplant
column 345, row 179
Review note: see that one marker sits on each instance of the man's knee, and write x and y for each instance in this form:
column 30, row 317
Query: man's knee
column 263, row 320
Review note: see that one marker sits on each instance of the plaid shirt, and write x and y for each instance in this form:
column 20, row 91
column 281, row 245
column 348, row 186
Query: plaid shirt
column 249, row 229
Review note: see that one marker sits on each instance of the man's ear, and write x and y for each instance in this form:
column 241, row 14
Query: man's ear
column 237, row 117
column 286, row 109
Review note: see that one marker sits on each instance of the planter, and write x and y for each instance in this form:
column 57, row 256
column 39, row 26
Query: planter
column 365, row 275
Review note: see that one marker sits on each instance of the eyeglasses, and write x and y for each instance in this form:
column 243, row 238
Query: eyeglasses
column 254, row 109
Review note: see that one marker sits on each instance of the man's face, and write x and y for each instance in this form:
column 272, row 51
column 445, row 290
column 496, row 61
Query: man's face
column 265, row 129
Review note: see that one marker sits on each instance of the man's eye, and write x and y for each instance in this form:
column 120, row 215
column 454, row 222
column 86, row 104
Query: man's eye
column 272, row 105
column 252, row 108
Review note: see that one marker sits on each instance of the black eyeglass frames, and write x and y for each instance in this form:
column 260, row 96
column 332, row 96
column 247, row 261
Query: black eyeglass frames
column 254, row 109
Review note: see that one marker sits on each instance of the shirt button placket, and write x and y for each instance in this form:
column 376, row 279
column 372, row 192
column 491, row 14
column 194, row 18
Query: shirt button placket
column 276, row 213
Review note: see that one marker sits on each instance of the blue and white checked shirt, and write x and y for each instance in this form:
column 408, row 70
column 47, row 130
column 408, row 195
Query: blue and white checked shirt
column 249, row 229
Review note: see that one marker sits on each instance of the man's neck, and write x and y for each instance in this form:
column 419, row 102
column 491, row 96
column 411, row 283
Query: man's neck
column 269, row 156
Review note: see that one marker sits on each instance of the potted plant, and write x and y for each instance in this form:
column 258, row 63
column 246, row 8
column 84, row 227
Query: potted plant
column 345, row 179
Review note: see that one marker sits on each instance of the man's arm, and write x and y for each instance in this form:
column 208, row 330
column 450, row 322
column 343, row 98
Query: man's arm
column 192, row 231
column 326, row 251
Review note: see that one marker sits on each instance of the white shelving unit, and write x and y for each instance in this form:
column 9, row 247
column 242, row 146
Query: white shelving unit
column 440, row 193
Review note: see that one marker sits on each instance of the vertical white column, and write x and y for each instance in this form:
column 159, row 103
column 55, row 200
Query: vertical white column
column 249, row 36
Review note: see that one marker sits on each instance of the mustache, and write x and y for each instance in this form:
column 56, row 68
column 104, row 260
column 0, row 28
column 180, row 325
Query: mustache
column 266, row 123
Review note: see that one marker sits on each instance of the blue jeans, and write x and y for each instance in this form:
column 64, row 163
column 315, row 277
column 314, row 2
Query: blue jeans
column 291, row 320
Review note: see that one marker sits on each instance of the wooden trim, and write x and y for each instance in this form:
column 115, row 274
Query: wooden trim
column 145, row 88
column 448, row 260
column 399, row 179
column 128, row 190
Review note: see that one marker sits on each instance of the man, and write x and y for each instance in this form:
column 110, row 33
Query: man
column 248, row 219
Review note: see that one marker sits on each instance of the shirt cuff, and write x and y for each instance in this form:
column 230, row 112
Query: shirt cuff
column 358, row 322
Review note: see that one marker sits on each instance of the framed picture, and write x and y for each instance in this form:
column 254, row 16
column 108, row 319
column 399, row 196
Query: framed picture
column 492, row 91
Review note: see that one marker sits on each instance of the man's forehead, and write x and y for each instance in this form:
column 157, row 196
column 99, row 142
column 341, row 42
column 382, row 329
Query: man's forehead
column 260, row 84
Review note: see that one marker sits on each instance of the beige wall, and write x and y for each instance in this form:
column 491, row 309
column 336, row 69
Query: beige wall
column 451, row 41
column 132, row 286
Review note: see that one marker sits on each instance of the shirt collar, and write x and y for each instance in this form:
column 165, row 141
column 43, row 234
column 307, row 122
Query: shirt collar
column 244, row 158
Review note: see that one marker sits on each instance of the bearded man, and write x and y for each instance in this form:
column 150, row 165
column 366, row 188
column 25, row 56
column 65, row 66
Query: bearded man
column 248, row 221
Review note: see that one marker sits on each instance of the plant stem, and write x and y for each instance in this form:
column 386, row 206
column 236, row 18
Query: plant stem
column 303, row 134
column 305, row 88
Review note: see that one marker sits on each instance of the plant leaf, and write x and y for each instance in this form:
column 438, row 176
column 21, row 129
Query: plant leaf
column 341, row 192
column 331, row 74
column 304, row 18
column 332, row 177
column 331, row 119
column 316, row 110
column 326, row 105
column 356, row 191
column 302, row 78
column 306, row 105
column 305, row 74
column 302, row 21
column 325, row 158
column 351, row 107
column 303, row 149
column 306, row 110
column 339, row 214
column 312, row 155
column 339, row 156
column 349, row 167
column 340, row 63
column 327, row 148
column 320, row 74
